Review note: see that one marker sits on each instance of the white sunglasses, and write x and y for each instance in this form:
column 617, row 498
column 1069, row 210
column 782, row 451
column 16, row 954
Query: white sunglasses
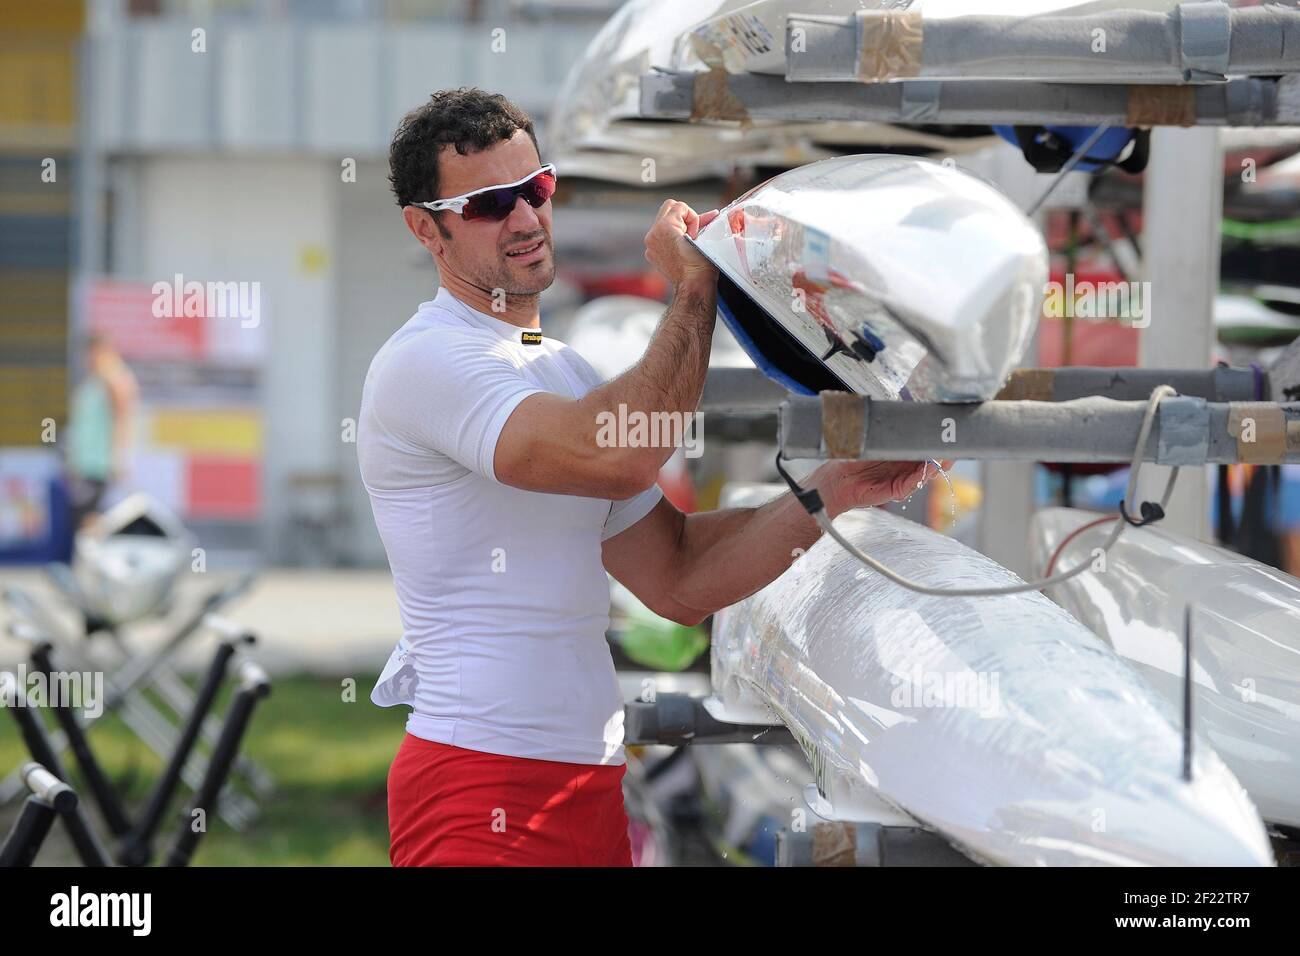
column 497, row 202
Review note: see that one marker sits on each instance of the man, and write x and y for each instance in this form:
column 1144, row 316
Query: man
column 501, row 509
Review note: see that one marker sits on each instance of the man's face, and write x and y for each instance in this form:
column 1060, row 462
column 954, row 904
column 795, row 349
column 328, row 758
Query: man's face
column 480, row 250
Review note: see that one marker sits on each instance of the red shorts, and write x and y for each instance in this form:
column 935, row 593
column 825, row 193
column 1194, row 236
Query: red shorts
column 448, row 806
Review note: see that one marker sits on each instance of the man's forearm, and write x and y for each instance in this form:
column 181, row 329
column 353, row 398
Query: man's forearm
column 726, row 556
column 670, row 376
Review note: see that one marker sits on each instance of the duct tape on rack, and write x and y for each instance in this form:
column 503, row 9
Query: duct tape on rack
column 712, row 99
column 1161, row 106
column 1184, row 435
column 890, row 45
column 834, row 844
column 844, row 424
column 1029, row 385
column 1262, row 432
column 1206, row 31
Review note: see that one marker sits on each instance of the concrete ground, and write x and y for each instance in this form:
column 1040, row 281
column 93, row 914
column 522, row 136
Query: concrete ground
column 323, row 623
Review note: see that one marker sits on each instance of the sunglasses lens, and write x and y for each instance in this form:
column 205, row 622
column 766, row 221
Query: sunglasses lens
column 493, row 204
column 496, row 204
column 538, row 189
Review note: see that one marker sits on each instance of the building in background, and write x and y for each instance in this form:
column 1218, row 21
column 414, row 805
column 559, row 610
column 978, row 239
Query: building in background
column 38, row 78
column 227, row 225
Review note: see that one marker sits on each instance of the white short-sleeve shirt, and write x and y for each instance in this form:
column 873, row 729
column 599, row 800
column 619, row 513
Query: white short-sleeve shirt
column 503, row 597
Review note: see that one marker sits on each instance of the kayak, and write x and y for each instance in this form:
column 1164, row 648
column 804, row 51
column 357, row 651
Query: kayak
column 878, row 274
column 1000, row 722
column 595, row 129
column 1246, row 640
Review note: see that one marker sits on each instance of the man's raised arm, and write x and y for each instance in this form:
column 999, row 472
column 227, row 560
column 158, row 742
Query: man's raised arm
column 550, row 443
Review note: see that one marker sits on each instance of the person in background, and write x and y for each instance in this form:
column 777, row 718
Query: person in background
column 99, row 429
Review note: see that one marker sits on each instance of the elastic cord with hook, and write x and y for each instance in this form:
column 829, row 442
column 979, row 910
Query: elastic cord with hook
column 813, row 504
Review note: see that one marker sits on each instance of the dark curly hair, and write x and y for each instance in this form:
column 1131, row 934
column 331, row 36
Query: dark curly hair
column 468, row 119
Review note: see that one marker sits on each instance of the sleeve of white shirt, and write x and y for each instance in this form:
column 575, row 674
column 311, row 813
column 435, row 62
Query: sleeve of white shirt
column 451, row 392
column 629, row 511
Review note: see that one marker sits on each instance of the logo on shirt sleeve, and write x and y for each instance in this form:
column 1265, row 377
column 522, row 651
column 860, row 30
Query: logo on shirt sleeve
column 530, row 338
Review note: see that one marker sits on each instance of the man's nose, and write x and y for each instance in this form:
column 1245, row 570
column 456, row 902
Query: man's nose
column 523, row 218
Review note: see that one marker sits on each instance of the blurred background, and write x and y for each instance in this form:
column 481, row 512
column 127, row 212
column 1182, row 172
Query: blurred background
column 147, row 144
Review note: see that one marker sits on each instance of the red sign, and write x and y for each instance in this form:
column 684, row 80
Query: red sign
column 123, row 312
column 222, row 488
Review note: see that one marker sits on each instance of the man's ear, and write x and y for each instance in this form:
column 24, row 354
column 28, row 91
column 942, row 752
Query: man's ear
column 412, row 215
column 421, row 225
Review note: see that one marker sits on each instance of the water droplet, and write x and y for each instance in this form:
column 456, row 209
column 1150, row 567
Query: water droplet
column 952, row 493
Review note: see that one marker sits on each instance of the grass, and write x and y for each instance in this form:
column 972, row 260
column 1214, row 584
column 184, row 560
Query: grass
column 329, row 758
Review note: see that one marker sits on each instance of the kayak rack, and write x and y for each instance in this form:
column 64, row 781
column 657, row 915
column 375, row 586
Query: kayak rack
column 48, row 797
column 125, row 686
column 49, row 783
column 1186, row 431
column 1070, row 414
column 1240, row 101
column 679, row 720
column 834, row 843
column 1201, row 64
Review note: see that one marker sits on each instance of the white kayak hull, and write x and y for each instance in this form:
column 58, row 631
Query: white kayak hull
column 1000, row 722
column 613, row 332
column 1246, row 640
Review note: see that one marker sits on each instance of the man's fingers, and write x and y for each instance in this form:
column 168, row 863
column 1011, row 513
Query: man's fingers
column 671, row 208
column 907, row 479
column 708, row 217
column 691, row 221
column 902, row 486
column 678, row 213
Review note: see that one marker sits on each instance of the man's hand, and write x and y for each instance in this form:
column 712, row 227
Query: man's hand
column 667, row 249
column 845, row 485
